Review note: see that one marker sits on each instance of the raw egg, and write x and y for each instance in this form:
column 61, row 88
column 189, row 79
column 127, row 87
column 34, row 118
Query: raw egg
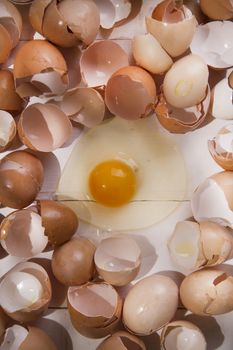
column 17, row 169
column 145, row 168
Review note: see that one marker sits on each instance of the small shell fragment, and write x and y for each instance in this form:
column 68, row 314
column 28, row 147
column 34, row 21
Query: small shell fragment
column 217, row 9
column 150, row 55
column 180, row 334
column 27, row 303
column 22, row 234
column 150, row 304
column 100, row 60
column 118, row 260
column 83, row 105
column 7, row 129
column 173, row 27
column 213, row 42
column 122, row 341
column 221, row 147
column 112, row 11
column 9, row 99
column 193, row 246
column 44, row 127
column 59, row 221
column 221, row 100
column 178, row 120
column 207, row 292
column 95, row 309
column 73, row 262
column 213, row 200
column 142, row 93
column 17, row 169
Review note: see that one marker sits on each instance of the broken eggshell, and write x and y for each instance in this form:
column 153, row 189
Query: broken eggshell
column 83, row 105
column 39, row 68
column 213, row 199
column 213, row 42
column 67, row 22
column 221, row 100
column 17, row 169
column 150, row 304
column 180, row 334
column 7, row 130
column 221, row 147
column 207, row 292
column 217, row 9
column 9, row 99
column 59, row 221
column 95, row 309
column 178, row 120
column 100, row 60
column 150, row 55
column 173, row 27
column 122, row 341
column 10, row 28
column 142, row 95
column 112, row 11
column 24, row 338
column 25, row 292
column 44, row 127
column 22, row 234
column 193, row 245
column 73, row 262
column 118, row 260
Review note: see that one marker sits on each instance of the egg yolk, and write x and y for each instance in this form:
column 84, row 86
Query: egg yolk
column 112, row 183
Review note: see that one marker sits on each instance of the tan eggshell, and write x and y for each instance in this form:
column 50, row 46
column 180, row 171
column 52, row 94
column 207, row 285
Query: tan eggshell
column 230, row 80
column 142, row 95
column 178, row 120
column 150, row 55
column 7, row 130
column 150, row 304
column 36, row 14
column 60, row 222
column 172, row 336
column 33, row 312
column 44, row 127
column 73, row 262
column 39, row 339
column 83, row 105
column 223, row 157
column 22, row 2
column 194, row 245
column 225, row 181
column 213, row 43
column 186, row 81
column 112, row 11
column 221, row 100
column 207, row 292
column 174, row 37
column 11, row 19
column 95, row 309
column 100, row 60
column 5, row 44
column 122, row 341
column 217, row 9
column 9, row 99
column 17, row 169
column 118, row 260
column 22, row 234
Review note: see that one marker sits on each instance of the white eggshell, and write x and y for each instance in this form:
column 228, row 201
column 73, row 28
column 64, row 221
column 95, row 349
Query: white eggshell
column 222, row 106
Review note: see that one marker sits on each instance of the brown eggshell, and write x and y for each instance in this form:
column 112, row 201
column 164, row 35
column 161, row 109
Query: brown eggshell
column 11, row 19
column 217, row 9
column 2, row 322
column 5, row 44
column 122, row 341
column 33, row 312
column 7, row 130
column 102, row 305
column 17, row 169
column 44, row 127
column 38, row 339
column 178, row 120
column 36, row 14
column 60, row 222
column 9, row 99
column 207, row 292
column 73, row 262
column 230, row 80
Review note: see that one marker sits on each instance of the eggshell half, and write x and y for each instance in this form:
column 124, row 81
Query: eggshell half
column 112, row 11
column 11, row 19
column 221, row 100
column 9, row 99
column 122, row 341
column 217, row 9
column 7, row 130
column 207, row 292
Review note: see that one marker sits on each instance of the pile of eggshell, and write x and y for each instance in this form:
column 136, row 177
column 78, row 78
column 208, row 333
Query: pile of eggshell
column 168, row 71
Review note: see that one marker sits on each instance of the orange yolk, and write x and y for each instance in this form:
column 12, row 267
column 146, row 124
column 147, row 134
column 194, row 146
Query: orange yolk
column 112, row 183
